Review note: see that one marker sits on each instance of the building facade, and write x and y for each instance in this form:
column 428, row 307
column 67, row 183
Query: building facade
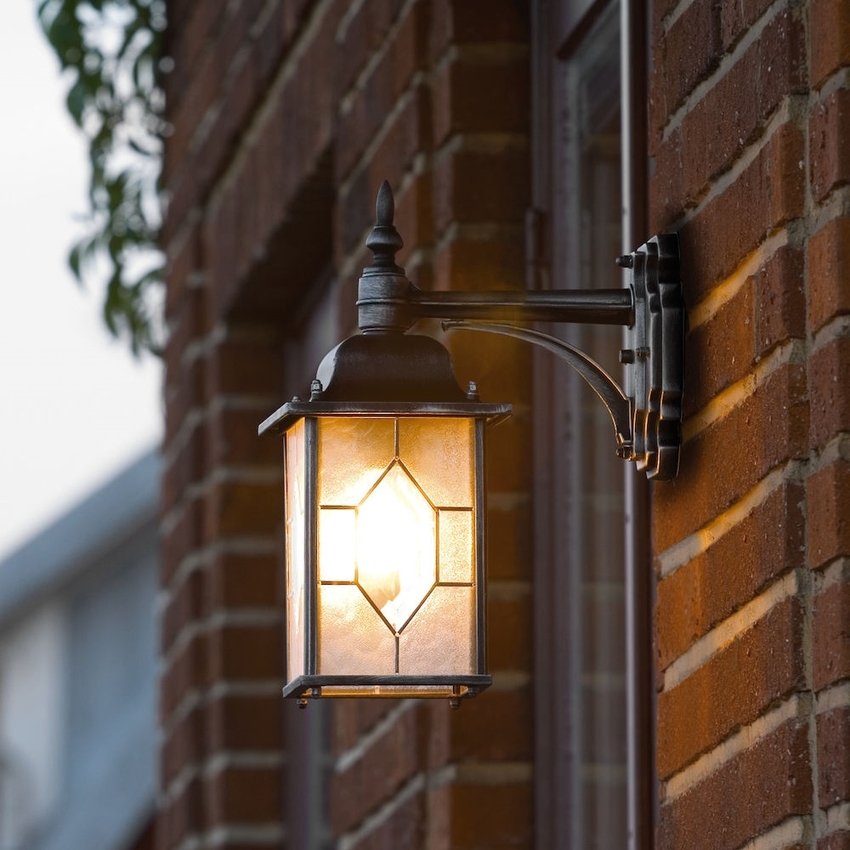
column 78, row 674
column 671, row 664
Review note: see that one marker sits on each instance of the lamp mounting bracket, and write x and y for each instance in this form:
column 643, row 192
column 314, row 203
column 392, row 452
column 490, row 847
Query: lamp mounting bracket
column 647, row 415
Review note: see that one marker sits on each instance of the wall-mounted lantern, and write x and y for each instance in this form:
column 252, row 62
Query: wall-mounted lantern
column 384, row 470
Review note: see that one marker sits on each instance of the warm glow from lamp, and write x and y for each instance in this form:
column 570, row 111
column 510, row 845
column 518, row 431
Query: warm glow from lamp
column 396, row 546
column 384, row 589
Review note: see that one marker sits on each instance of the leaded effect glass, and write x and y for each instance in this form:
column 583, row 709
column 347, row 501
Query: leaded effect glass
column 396, row 546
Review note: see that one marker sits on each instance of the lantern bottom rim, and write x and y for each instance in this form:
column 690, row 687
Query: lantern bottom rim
column 387, row 687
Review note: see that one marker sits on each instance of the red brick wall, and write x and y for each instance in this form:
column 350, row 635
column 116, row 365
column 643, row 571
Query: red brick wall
column 750, row 134
column 286, row 117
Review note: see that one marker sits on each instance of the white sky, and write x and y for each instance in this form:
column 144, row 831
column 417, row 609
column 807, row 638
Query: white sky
column 75, row 407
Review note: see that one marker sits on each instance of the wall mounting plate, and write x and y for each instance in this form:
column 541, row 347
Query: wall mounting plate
column 656, row 355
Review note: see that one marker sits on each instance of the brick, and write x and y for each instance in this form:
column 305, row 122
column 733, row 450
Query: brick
column 780, row 297
column 509, row 542
column 833, row 764
column 233, row 440
column 244, row 723
column 468, row 817
column 509, row 634
column 201, row 93
column 767, row 429
column 239, row 507
column 475, row 187
column 475, row 22
column 355, row 217
column 829, row 271
column 496, row 725
column 184, row 536
column 830, row 23
column 186, row 672
column 241, row 581
column 768, row 194
column 414, row 217
column 352, row 719
column 183, row 607
column 768, row 310
column 829, row 144
column 245, row 367
column 185, row 468
column 182, row 262
column 831, row 635
column 183, row 746
column 245, row 795
column 737, row 16
column 271, row 41
column 390, row 761
column 481, row 97
column 183, row 817
column 405, row 827
column 835, row 841
column 189, row 40
column 733, row 688
column 481, row 264
column 407, row 136
column 365, row 32
column 246, row 652
column 829, row 394
column 667, row 198
column 828, row 513
column 691, row 50
column 238, row 100
column 380, row 91
column 731, row 572
column 735, row 110
column 748, row 795
column 184, row 328
column 184, row 392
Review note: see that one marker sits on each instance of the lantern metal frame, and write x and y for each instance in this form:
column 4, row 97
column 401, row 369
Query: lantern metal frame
column 386, row 372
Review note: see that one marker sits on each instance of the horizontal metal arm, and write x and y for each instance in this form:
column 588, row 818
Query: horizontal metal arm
column 580, row 306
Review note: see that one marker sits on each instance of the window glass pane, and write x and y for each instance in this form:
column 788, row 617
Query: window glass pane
column 594, row 534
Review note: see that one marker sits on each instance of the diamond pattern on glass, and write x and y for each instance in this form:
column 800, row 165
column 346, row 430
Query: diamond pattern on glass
column 396, row 546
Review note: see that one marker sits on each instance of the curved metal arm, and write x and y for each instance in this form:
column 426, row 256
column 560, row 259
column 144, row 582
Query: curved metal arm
column 609, row 392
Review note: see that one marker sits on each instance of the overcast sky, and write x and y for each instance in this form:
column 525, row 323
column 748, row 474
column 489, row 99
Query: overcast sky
column 75, row 407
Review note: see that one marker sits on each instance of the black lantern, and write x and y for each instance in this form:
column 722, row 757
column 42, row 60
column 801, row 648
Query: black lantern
column 384, row 470
column 384, row 500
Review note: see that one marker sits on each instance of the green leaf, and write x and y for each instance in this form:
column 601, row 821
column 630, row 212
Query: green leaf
column 76, row 101
column 119, row 124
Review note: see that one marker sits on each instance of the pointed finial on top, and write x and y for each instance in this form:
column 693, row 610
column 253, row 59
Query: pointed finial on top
column 384, row 240
column 385, row 206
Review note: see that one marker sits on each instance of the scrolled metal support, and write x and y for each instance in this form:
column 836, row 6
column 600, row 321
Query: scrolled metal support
column 615, row 400
column 647, row 414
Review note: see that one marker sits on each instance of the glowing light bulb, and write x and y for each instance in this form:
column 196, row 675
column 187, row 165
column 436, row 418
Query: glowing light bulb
column 396, row 546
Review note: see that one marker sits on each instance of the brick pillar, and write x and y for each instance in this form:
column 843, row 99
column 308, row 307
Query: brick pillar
column 752, row 168
column 287, row 117
column 447, row 98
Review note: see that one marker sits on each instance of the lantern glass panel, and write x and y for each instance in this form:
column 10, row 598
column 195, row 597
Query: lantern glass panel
column 397, row 546
column 296, row 493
